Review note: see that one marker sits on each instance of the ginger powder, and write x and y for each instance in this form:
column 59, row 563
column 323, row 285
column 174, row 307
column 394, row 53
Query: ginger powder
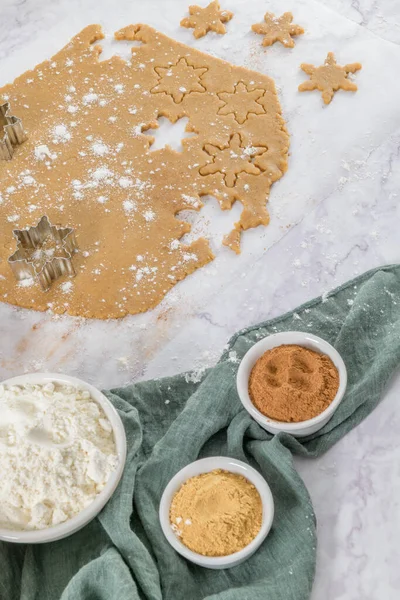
column 216, row 513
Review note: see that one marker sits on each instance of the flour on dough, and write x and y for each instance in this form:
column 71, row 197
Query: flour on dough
column 100, row 176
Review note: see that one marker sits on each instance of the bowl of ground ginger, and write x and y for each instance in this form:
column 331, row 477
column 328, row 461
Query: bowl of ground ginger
column 216, row 512
column 292, row 382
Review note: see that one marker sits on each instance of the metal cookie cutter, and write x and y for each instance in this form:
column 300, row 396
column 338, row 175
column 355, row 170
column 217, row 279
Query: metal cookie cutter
column 14, row 133
column 44, row 252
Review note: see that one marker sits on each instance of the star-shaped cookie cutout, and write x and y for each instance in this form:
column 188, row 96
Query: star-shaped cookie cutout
column 44, row 253
column 12, row 132
column 179, row 80
column 231, row 159
column 241, row 102
column 278, row 29
column 329, row 78
column 210, row 18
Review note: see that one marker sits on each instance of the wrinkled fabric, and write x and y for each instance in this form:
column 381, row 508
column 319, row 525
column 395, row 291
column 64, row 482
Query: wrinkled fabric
column 123, row 555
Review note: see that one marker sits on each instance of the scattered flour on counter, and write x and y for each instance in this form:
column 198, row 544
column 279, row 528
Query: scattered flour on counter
column 57, row 451
column 195, row 376
column 233, row 357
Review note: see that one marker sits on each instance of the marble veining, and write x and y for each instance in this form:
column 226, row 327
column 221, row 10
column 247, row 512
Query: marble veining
column 334, row 215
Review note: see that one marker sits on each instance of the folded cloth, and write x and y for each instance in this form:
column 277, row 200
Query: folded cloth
column 123, row 555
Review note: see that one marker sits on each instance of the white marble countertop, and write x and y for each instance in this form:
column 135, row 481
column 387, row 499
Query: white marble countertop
column 334, row 215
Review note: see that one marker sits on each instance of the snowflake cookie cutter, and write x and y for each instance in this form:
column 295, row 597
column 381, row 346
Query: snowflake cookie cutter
column 14, row 133
column 33, row 260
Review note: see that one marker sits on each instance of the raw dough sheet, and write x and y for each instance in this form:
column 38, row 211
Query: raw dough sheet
column 88, row 164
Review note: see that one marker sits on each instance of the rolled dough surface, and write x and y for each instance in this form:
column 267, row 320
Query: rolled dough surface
column 88, row 164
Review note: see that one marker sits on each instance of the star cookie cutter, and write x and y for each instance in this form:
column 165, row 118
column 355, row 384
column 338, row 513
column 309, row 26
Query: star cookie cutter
column 14, row 133
column 33, row 260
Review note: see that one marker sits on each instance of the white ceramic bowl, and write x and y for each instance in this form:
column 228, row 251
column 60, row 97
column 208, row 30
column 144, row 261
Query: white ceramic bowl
column 299, row 338
column 65, row 529
column 204, row 466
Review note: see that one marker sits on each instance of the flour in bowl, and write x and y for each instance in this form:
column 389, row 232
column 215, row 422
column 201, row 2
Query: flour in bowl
column 57, row 451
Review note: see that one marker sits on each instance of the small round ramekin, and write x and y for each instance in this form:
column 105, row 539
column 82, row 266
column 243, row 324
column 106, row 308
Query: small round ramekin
column 50, row 534
column 206, row 465
column 307, row 340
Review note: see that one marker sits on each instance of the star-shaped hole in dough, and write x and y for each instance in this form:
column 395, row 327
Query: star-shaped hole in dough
column 179, row 80
column 329, row 78
column 210, row 18
column 278, row 29
column 232, row 159
column 241, row 102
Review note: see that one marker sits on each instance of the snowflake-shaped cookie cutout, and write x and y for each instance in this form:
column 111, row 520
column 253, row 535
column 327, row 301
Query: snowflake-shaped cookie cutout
column 278, row 29
column 329, row 78
column 179, row 80
column 232, row 159
column 44, row 253
column 12, row 132
column 241, row 102
column 210, row 18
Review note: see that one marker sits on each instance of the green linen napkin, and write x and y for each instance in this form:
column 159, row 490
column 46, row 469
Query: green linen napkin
column 122, row 555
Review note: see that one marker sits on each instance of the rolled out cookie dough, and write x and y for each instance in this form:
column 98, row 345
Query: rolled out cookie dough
column 88, row 164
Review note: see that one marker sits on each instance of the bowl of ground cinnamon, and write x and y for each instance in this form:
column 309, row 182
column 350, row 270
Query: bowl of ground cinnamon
column 216, row 512
column 292, row 382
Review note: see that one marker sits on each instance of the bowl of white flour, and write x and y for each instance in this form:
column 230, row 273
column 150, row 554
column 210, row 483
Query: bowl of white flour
column 62, row 454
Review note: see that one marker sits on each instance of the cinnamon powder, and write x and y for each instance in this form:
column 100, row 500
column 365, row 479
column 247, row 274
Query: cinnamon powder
column 292, row 384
